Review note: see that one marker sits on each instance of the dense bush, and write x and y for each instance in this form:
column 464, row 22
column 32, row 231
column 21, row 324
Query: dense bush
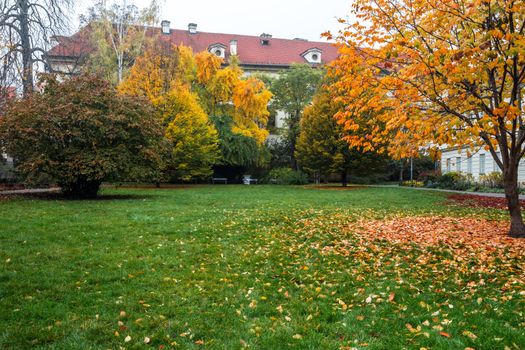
column 287, row 176
column 455, row 181
column 492, row 180
column 412, row 183
column 79, row 133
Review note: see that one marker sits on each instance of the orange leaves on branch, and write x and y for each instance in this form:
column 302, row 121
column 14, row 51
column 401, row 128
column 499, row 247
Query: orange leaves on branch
column 208, row 65
column 425, row 80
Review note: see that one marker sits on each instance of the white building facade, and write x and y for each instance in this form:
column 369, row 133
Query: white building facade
column 476, row 164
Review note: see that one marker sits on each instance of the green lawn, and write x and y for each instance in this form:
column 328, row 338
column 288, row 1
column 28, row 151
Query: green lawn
column 234, row 267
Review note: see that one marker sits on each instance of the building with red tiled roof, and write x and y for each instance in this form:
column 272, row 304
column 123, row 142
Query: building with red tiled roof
column 256, row 53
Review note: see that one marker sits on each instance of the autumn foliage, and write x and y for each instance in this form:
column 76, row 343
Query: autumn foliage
column 439, row 72
column 186, row 90
column 79, row 133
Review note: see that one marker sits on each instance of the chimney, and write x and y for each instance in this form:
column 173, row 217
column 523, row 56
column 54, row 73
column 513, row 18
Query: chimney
column 233, row 47
column 165, row 26
column 192, row 28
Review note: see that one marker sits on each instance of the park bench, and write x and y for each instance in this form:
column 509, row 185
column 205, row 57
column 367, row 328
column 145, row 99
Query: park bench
column 223, row 180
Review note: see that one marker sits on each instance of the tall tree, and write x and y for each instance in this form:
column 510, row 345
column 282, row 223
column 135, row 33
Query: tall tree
column 455, row 74
column 322, row 149
column 26, row 29
column 164, row 75
column 119, row 32
column 293, row 91
column 224, row 92
column 320, row 145
column 194, row 140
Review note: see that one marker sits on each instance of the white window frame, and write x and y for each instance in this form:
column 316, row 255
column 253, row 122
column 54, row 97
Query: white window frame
column 482, row 164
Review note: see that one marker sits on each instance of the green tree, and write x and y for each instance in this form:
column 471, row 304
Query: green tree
column 320, row 146
column 293, row 91
column 322, row 149
column 80, row 132
column 237, row 150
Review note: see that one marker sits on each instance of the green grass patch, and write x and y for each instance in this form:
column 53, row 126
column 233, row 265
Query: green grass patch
column 235, row 267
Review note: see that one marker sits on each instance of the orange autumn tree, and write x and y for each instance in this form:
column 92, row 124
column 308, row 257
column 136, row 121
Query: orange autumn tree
column 436, row 72
column 164, row 75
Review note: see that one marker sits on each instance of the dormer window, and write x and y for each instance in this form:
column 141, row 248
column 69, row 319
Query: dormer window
column 265, row 39
column 218, row 50
column 312, row 56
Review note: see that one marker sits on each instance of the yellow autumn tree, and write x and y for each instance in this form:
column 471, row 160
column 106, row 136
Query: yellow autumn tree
column 162, row 66
column 194, row 139
column 167, row 74
column 250, row 99
column 224, row 91
column 437, row 72
column 164, row 75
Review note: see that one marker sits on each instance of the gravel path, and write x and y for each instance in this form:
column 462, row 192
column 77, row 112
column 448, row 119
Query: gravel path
column 31, row 190
column 482, row 194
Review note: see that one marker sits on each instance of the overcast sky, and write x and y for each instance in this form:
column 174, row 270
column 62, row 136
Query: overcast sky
column 282, row 18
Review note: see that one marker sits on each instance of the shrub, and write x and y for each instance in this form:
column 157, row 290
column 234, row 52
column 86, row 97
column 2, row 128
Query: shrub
column 492, row 180
column 454, row 181
column 80, row 133
column 429, row 178
column 412, row 183
column 287, row 176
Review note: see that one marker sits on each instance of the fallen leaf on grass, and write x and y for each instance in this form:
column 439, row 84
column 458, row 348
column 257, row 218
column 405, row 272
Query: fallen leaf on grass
column 469, row 334
column 391, row 296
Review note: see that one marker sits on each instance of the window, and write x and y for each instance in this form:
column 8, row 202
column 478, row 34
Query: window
column 482, row 164
column 218, row 53
column 495, row 166
column 458, row 164
column 448, row 165
column 315, row 57
column 469, row 165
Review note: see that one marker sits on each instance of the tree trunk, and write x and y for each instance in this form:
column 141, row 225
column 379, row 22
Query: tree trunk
column 401, row 171
column 344, row 181
column 293, row 161
column 25, row 42
column 294, row 133
column 517, row 228
column 81, row 189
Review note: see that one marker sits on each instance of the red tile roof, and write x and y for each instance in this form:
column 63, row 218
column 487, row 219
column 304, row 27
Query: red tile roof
column 279, row 52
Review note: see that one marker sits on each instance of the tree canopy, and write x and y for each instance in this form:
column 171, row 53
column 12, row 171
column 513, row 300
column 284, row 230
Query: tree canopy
column 80, row 132
column 164, row 75
column 419, row 73
column 119, row 34
column 293, row 90
column 194, row 88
